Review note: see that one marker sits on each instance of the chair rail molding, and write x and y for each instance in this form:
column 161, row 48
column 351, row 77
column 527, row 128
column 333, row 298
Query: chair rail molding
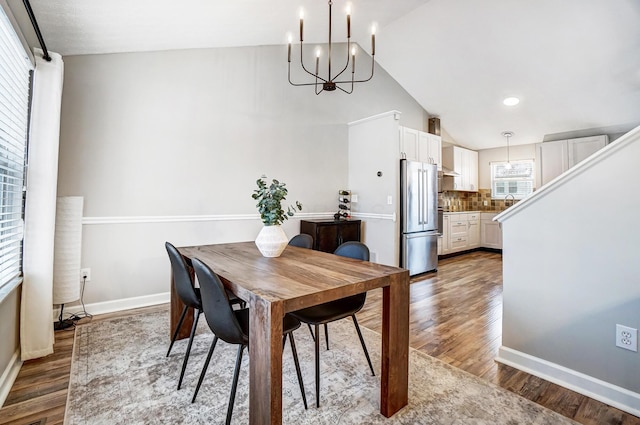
column 190, row 218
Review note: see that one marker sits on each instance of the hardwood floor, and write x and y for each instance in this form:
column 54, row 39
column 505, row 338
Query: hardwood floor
column 456, row 316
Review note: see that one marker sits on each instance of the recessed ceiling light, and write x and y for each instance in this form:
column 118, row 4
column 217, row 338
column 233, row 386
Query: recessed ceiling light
column 511, row 101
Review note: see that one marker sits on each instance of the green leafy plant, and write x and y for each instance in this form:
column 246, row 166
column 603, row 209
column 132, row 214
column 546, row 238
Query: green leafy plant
column 270, row 199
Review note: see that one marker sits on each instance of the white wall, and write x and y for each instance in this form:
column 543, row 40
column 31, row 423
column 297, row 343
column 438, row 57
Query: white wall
column 9, row 336
column 151, row 138
column 571, row 273
column 373, row 148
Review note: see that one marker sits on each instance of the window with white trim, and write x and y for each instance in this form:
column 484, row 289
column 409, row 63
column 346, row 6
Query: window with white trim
column 515, row 180
column 15, row 85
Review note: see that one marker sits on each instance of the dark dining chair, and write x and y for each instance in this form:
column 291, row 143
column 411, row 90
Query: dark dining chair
column 302, row 240
column 190, row 297
column 336, row 310
column 232, row 326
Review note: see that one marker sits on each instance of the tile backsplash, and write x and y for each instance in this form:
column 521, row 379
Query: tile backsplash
column 471, row 201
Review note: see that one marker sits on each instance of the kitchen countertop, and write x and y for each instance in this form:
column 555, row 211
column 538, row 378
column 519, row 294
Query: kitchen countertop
column 471, row 211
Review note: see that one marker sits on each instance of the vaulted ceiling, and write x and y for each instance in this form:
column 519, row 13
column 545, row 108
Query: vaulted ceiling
column 574, row 64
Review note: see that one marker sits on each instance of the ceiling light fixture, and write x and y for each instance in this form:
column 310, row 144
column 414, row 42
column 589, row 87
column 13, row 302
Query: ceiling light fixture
column 511, row 101
column 507, row 134
column 331, row 82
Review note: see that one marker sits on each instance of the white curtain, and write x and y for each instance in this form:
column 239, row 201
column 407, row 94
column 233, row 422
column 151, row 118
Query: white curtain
column 36, row 313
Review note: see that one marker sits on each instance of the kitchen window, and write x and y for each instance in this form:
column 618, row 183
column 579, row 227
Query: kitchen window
column 516, row 181
column 15, row 84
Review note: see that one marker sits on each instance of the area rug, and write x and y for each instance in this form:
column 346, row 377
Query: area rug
column 120, row 375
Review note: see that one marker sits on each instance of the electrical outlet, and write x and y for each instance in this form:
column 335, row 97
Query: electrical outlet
column 389, row 200
column 485, row 203
column 626, row 338
column 85, row 275
column 354, row 198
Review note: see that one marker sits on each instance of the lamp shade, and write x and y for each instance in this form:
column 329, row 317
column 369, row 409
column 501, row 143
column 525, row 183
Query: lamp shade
column 67, row 249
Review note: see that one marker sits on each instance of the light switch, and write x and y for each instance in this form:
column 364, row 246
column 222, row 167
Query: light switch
column 389, row 200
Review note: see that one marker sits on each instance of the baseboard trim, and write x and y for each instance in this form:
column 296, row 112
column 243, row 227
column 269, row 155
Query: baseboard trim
column 9, row 376
column 117, row 305
column 589, row 386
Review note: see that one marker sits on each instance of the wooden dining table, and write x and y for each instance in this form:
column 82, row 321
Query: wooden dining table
column 302, row 278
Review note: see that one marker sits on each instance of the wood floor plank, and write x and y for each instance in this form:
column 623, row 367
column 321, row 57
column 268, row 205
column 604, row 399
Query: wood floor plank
column 34, row 408
column 455, row 315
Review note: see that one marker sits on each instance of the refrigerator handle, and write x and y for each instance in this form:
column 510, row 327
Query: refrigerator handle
column 425, row 197
column 420, row 189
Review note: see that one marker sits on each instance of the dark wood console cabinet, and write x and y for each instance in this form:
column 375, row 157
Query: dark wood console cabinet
column 329, row 234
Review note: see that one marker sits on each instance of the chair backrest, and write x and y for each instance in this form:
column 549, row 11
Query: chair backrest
column 215, row 304
column 302, row 240
column 353, row 249
column 181, row 277
column 359, row 251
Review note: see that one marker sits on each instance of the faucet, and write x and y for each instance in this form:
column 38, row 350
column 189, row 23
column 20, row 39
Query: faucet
column 513, row 199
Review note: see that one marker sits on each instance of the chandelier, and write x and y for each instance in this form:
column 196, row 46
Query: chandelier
column 331, row 82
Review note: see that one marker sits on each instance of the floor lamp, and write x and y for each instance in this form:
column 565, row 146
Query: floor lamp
column 67, row 254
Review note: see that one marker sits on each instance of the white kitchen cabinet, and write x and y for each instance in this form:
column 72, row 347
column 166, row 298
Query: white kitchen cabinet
column 582, row 148
column 473, row 230
column 458, row 232
column 409, row 141
column 417, row 145
column 465, row 163
column 554, row 158
column 434, row 148
column 490, row 231
column 470, row 230
column 443, row 241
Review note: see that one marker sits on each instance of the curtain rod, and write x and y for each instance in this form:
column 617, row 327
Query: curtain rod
column 32, row 17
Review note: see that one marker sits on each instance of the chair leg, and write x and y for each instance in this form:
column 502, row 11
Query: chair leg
column 364, row 347
column 317, row 346
column 234, row 386
column 295, row 361
column 204, row 368
column 311, row 332
column 326, row 335
column 186, row 356
column 175, row 333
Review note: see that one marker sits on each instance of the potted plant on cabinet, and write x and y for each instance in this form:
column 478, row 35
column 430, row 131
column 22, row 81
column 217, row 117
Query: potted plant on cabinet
column 272, row 240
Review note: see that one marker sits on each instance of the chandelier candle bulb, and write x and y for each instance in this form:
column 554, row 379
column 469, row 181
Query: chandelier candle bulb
column 353, row 60
column 348, row 21
column 301, row 23
column 317, row 61
column 373, row 40
column 289, row 49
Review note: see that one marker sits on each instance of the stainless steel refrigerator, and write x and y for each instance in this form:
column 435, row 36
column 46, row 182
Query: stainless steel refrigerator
column 418, row 216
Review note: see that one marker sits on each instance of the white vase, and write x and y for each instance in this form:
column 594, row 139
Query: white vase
column 271, row 241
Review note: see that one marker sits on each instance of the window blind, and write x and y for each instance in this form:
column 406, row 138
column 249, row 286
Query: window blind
column 15, row 82
column 516, row 181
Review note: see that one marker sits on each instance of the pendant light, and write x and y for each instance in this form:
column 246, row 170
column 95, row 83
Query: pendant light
column 507, row 134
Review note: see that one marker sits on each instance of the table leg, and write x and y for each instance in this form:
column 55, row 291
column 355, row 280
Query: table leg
column 394, row 382
column 265, row 366
column 176, row 307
